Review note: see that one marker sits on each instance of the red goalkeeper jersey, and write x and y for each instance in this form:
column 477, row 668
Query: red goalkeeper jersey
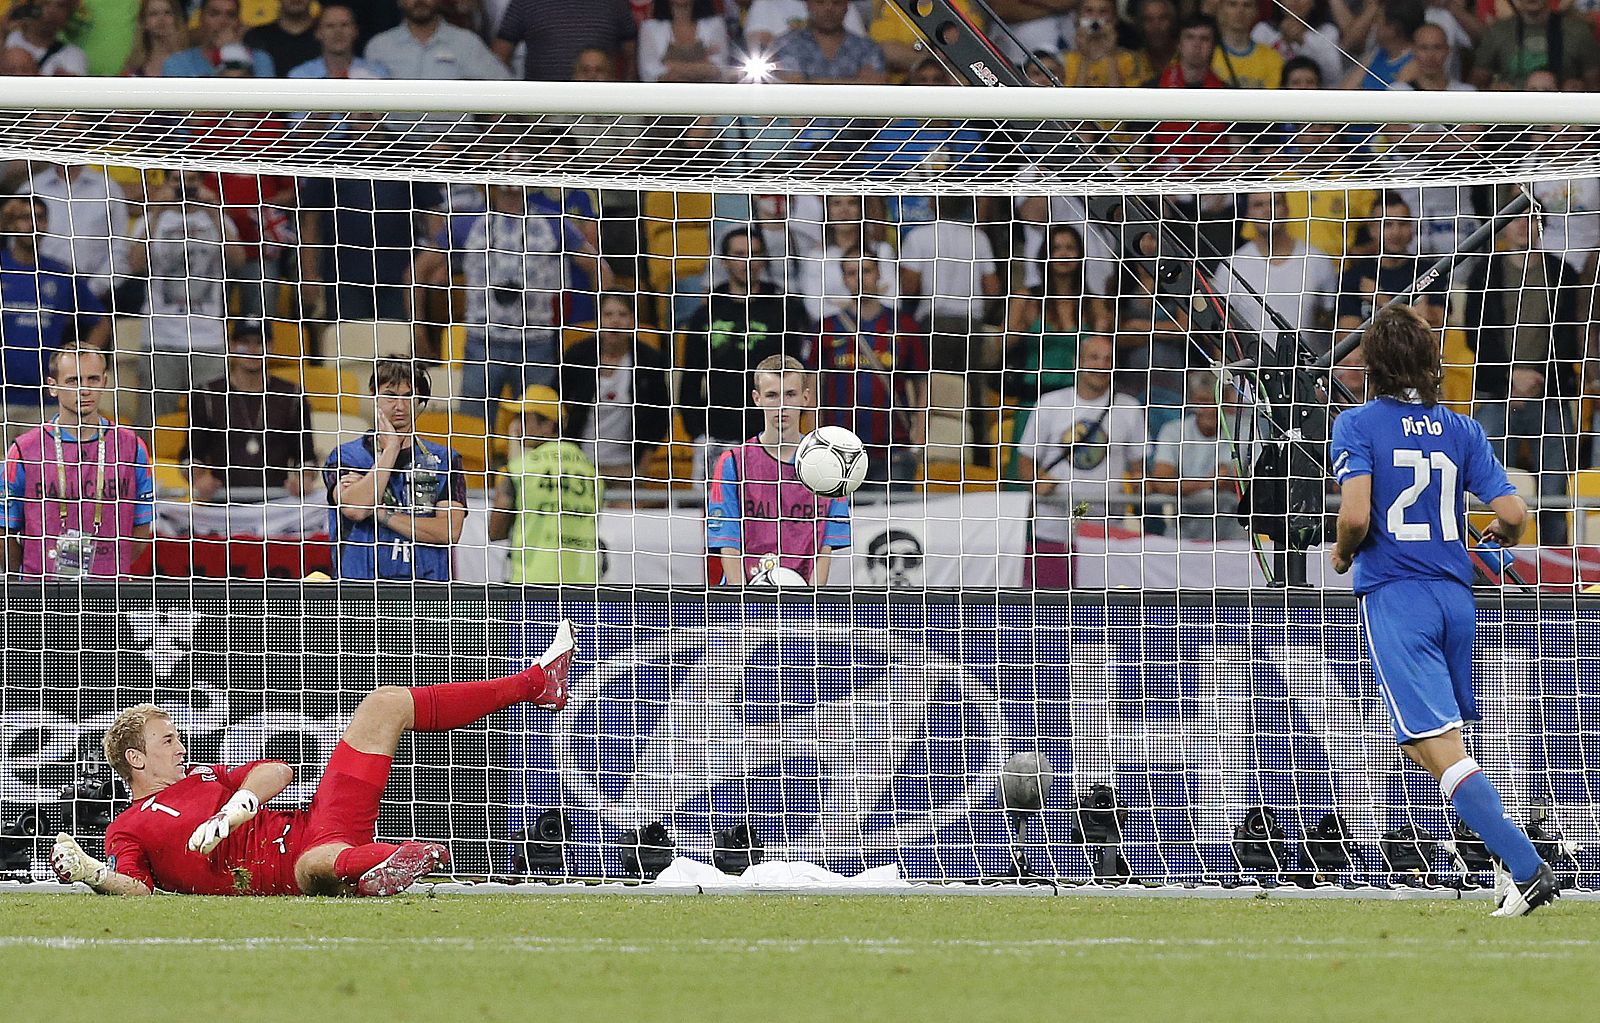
column 149, row 841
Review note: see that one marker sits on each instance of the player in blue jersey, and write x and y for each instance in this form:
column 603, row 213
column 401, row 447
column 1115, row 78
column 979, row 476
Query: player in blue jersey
column 1405, row 464
column 396, row 502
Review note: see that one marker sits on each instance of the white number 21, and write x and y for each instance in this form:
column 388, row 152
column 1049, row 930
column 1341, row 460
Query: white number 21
column 1422, row 468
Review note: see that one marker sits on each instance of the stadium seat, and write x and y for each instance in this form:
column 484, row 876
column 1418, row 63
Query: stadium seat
column 455, row 344
column 947, row 418
column 1459, row 360
column 467, row 435
column 286, row 341
column 329, row 429
column 169, row 477
column 677, row 237
column 1586, row 488
column 328, row 389
column 1527, row 486
column 366, row 341
column 171, row 434
column 943, row 477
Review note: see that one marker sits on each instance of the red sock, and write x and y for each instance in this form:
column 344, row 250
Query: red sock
column 358, row 859
column 453, row 704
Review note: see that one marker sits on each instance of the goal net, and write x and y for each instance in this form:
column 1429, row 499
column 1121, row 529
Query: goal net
column 1091, row 341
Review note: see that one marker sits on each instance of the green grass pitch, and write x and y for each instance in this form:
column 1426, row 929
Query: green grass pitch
column 762, row 959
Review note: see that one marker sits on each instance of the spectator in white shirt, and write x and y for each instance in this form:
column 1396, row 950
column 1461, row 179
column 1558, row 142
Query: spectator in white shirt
column 1298, row 283
column 189, row 250
column 40, row 28
column 817, row 274
column 952, row 263
column 1080, row 445
column 1430, row 68
column 683, row 41
column 89, row 220
column 1301, row 29
column 767, row 20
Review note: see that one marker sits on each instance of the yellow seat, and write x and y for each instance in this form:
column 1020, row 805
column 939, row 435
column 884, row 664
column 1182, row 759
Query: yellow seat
column 1586, row 487
column 466, row 435
column 327, row 389
column 169, row 478
column 455, row 344
column 286, row 340
column 677, row 237
column 171, row 434
column 366, row 341
column 944, row 477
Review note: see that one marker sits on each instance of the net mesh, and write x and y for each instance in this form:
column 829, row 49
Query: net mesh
column 975, row 312
column 815, row 154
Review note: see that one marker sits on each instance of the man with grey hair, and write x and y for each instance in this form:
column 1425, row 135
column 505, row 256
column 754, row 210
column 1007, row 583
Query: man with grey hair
column 1193, row 463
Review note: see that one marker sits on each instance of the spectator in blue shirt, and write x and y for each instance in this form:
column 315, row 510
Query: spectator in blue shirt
column 220, row 29
column 425, row 46
column 397, row 502
column 337, row 33
column 823, row 52
column 44, row 306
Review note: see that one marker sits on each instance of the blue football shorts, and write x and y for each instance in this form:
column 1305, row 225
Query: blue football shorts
column 1419, row 635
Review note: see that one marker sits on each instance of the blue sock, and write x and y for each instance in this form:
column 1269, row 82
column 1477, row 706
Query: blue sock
column 1478, row 802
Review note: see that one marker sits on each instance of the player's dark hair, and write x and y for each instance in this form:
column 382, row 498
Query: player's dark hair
column 742, row 232
column 662, row 10
column 393, row 372
column 1199, row 21
column 1396, row 199
column 1298, row 64
column 1403, row 356
column 1408, row 15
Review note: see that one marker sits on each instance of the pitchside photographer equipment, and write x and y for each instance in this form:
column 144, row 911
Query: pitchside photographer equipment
column 1259, row 846
column 1024, row 787
column 737, row 849
column 1408, row 855
column 1097, row 821
column 1326, row 852
column 645, row 852
column 1552, row 847
column 542, row 848
column 20, row 843
column 1469, row 855
column 905, row 707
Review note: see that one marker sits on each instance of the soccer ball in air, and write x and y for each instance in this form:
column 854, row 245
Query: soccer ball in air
column 771, row 573
column 831, row 461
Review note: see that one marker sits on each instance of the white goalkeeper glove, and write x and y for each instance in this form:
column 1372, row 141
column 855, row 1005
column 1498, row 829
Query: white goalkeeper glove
column 241, row 807
column 71, row 863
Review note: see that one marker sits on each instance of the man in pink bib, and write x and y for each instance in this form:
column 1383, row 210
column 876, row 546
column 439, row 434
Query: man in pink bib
column 79, row 494
column 757, row 510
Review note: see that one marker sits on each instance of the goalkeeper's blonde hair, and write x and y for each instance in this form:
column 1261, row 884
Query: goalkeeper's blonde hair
column 126, row 733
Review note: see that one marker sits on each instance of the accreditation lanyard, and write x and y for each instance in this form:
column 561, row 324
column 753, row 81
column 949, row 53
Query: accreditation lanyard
column 104, row 442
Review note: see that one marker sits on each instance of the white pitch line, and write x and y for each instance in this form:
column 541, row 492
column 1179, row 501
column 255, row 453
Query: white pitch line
column 1293, row 948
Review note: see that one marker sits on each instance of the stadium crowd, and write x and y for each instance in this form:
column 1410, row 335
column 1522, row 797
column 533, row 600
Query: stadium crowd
column 967, row 341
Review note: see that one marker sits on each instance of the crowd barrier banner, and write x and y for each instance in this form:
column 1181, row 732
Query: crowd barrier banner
column 852, row 729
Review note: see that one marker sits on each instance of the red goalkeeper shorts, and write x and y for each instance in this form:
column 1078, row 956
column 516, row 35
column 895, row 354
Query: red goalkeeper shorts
column 345, row 808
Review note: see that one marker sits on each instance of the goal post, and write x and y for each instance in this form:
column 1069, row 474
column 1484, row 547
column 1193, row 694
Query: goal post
column 607, row 263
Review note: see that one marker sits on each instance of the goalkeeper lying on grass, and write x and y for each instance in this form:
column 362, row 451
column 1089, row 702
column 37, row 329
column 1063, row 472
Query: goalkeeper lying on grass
column 203, row 830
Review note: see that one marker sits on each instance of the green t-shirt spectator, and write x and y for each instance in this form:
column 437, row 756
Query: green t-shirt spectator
column 107, row 33
column 556, row 495
column 1511, row 50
